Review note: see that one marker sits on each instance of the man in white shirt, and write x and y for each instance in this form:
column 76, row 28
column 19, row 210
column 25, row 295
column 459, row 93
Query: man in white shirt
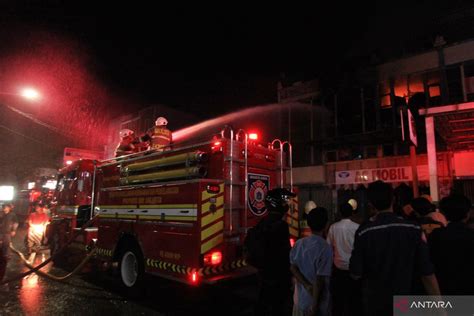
column 341, row 239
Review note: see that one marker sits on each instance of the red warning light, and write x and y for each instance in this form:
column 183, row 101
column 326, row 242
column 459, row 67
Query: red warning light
column 213, row 258
column 292, row 242
column 213, row 188
column 194, row 278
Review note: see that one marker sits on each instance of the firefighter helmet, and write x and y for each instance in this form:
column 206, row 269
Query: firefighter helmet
column 353, row 203
column 277, row 199
column 309, row 206
column 161, row 121
column 125, row 133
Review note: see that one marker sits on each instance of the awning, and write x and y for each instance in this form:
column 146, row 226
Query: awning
column 454, row 123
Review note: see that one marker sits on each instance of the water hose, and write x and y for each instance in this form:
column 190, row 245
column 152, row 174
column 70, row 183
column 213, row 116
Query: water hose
column 44, row 263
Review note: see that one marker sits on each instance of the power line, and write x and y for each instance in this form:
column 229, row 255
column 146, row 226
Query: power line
column 26, row 136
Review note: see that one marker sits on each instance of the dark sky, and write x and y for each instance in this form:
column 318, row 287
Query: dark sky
column 217, row 57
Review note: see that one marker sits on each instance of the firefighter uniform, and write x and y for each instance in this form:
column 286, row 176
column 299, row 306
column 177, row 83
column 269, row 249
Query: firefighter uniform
column 160, row 138
column 37, row 226
column 125, row 147
column 127, row 143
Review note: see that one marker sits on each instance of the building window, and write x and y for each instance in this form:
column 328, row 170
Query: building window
column 434, row 90
column 388, row 150
column 371, row 151
column 453, row 76
column 331, row 156
column 469, row 81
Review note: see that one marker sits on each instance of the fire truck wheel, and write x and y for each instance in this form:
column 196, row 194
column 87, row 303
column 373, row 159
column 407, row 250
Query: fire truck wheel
column 131, row 269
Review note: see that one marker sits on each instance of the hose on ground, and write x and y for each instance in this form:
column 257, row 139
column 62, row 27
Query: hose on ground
column 44, row 263
column 48, row 275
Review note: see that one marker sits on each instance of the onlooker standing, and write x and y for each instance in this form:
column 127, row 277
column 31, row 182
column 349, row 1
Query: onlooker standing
column 452, row 248
column 271, row 239
column 386, row 252
column 311, row 261
column 345, row 290
column 8, row 227
column 422, row 208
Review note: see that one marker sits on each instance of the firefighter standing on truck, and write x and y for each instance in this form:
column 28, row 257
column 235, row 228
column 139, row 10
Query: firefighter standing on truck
column 127, row 143
column 159, row 136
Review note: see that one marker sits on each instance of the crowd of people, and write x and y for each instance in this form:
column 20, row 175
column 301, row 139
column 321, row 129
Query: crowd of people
column 356, row 267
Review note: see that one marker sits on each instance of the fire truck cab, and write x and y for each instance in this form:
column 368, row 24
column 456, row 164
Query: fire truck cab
column 182, row 213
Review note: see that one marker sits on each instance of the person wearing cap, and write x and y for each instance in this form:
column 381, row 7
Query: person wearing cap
column 275, row 278
column 311, row 261
column 423, row 208
column 341, row 239
column 8, row 227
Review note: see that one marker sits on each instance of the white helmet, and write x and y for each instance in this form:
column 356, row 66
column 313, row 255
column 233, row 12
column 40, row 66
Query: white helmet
column 161, row 121
column 309, row 206
column 353, row 203
column 125, row 133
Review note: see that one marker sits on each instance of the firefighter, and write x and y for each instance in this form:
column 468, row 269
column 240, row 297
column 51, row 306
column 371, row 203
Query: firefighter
column 274, row 275
column 37, row 223
column 127, row 143
column 8, row 227
column 159, row 137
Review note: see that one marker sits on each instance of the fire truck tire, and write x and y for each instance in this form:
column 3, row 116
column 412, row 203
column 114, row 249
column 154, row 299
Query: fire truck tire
column 131, row 269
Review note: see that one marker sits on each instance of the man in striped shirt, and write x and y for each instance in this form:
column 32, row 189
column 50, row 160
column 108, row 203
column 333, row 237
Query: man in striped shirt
column 388, row 252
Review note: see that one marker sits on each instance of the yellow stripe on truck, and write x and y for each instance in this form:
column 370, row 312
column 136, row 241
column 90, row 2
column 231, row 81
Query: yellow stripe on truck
column 205, row 247
column 211, row 217
column 212, row 230
column 206, row 206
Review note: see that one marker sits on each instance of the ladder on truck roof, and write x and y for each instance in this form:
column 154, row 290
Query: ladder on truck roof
column 234, row 161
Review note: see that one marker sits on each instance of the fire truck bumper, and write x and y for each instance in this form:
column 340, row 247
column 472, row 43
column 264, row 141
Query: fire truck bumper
column 230, row 275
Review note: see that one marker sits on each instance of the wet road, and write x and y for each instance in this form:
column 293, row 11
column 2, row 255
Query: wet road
column 100, row 294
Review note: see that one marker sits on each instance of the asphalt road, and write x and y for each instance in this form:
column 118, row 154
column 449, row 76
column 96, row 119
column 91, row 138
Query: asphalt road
column 100, row 294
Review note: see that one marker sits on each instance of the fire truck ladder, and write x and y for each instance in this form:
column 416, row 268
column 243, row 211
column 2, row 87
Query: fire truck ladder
column 233, row 160
column 281, row 148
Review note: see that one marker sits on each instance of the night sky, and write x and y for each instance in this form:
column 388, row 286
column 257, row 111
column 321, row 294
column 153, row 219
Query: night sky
column 193, row 57
column 217, row 58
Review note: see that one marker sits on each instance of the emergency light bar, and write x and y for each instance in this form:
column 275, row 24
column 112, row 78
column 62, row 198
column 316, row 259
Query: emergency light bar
column 253, row 136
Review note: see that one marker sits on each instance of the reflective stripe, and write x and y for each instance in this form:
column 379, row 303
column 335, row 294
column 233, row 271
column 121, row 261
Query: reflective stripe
column 217, row 227
column 211, row 217
column 154, row 212
column 212, row 243
column 387, row 226
column 177, row 214
column 206, row 206
column 69, row 209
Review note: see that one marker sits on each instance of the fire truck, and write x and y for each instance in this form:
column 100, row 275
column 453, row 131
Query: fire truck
column 181, row 214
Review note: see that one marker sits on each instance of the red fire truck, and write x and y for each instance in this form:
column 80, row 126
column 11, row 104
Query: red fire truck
column 181, row 214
